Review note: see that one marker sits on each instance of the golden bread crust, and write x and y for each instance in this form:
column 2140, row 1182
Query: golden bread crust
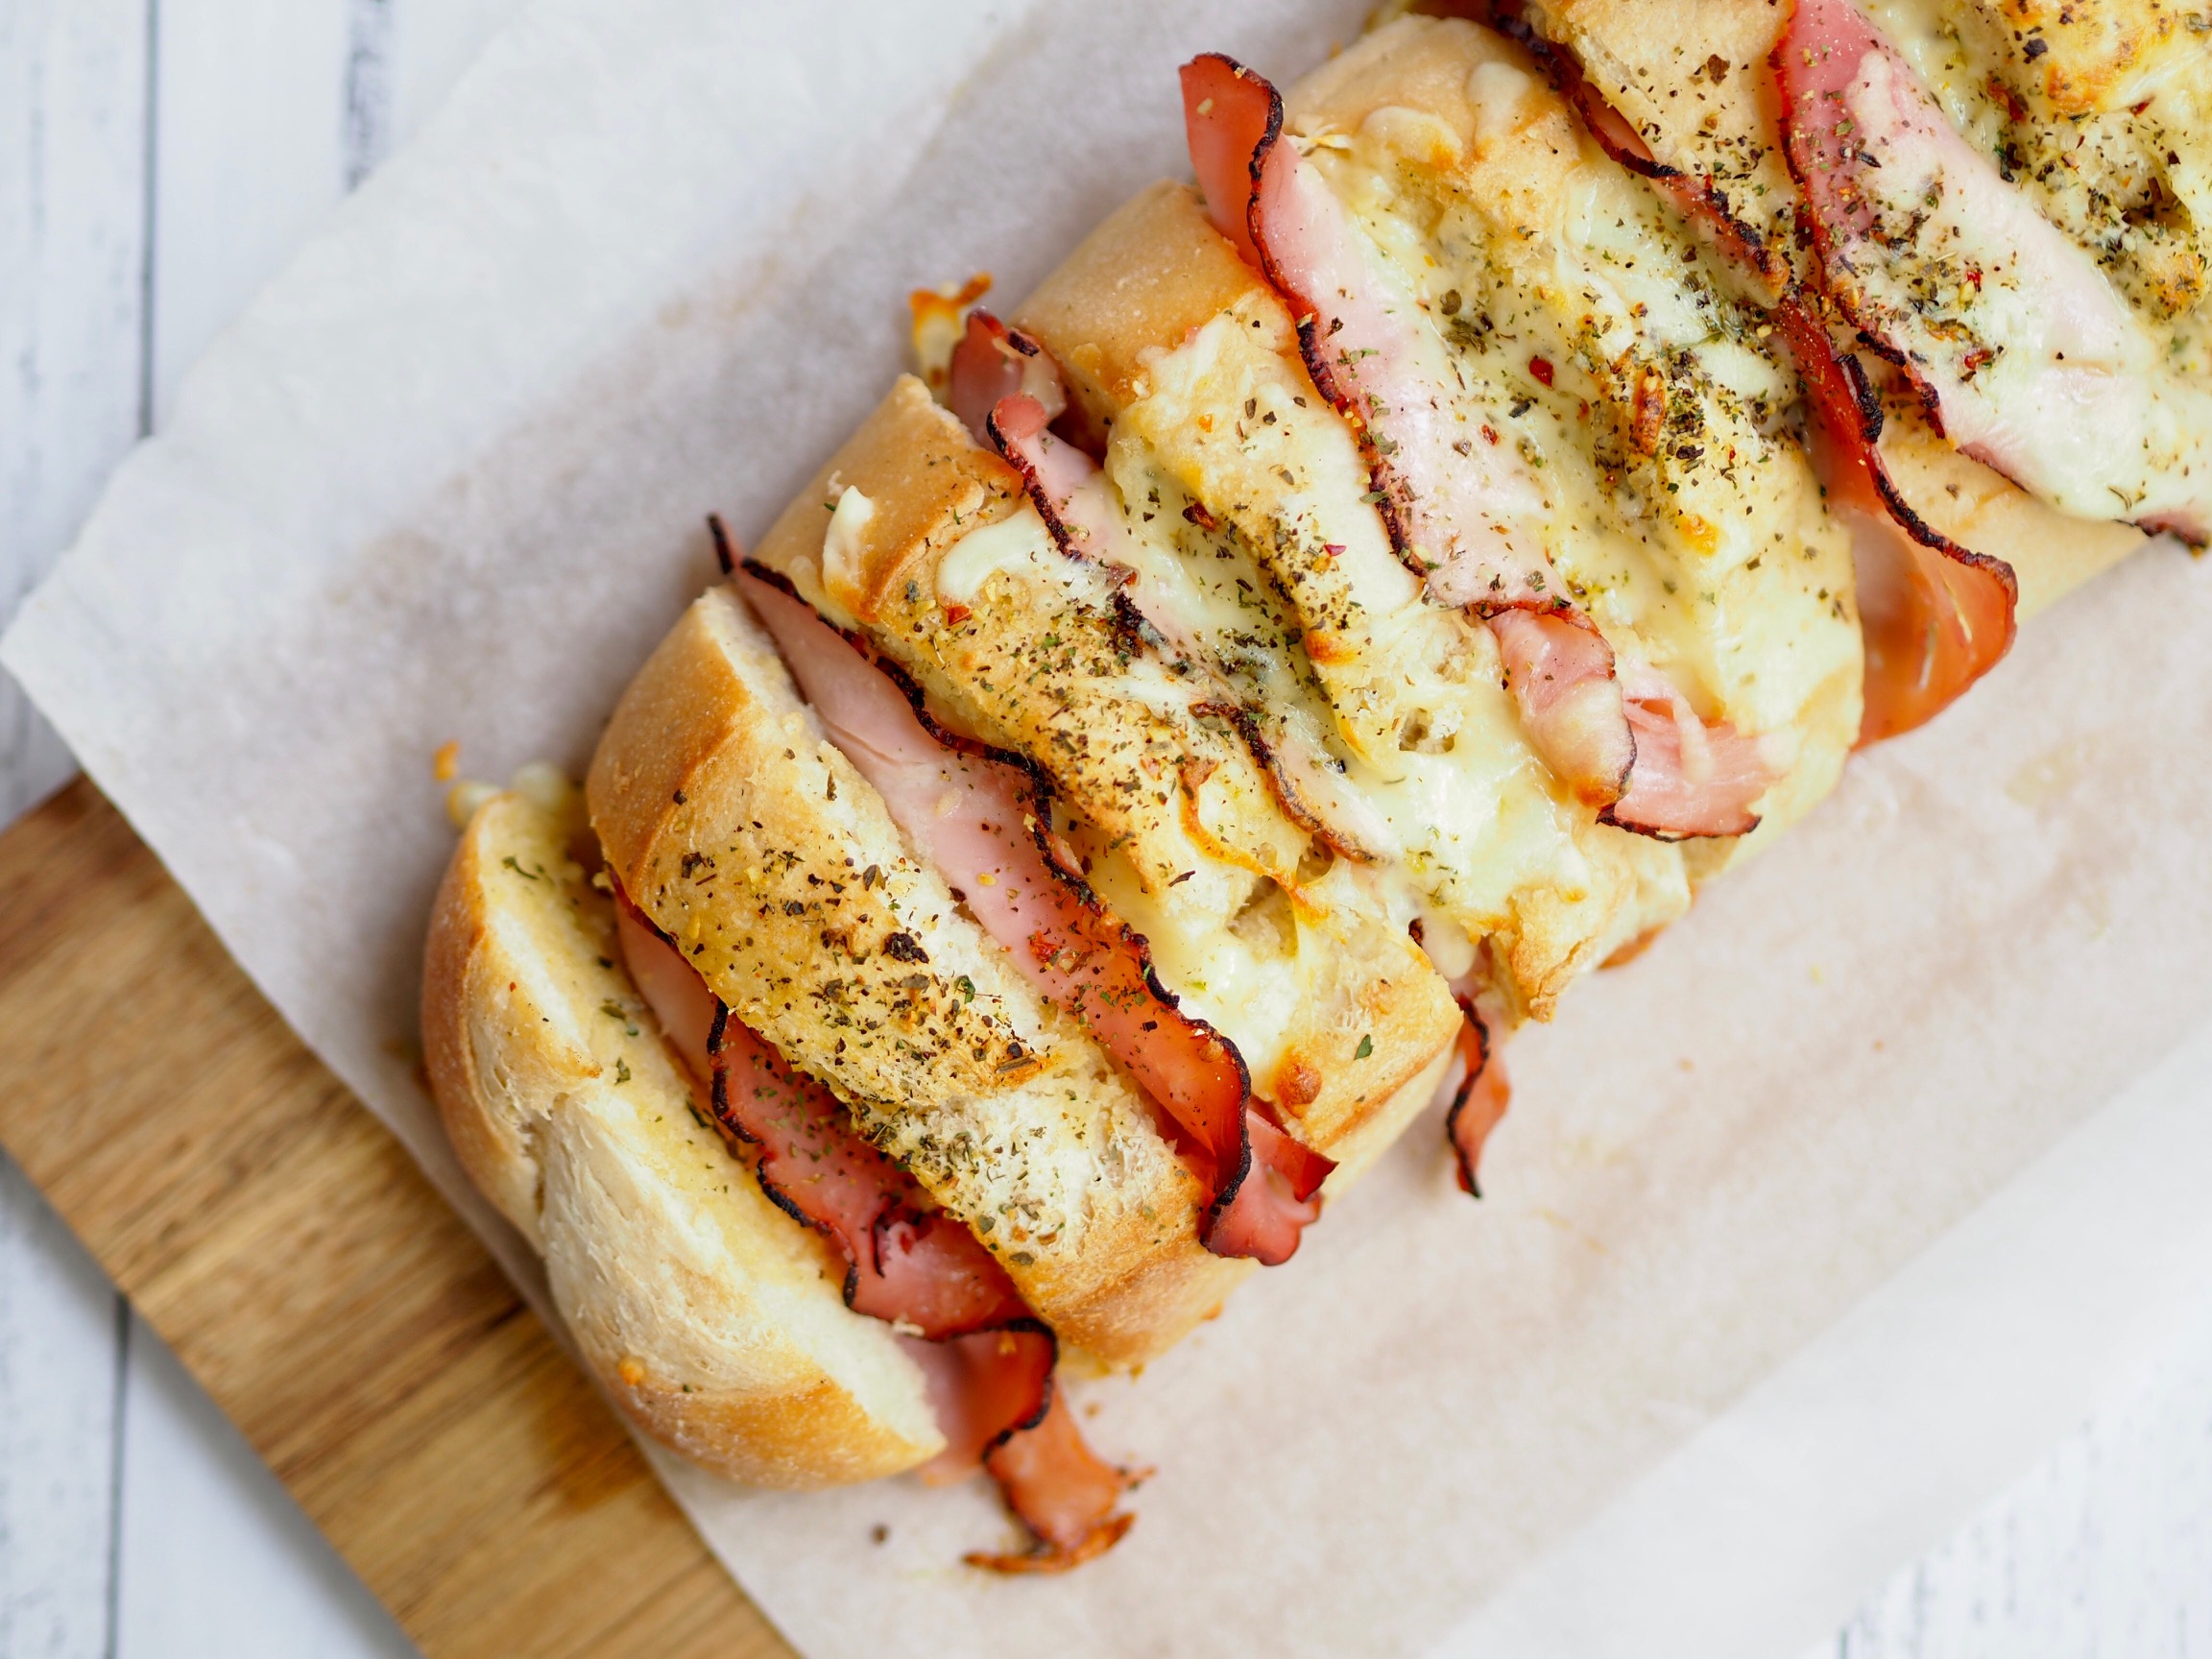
column 715, row 1321
column 1039, row 664
column 752, row 841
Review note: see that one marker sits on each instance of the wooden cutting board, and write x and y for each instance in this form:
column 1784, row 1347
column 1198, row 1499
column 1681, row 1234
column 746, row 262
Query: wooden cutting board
column 283, row 1243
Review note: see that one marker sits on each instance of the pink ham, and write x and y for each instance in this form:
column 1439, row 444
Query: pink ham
column 1687, row 770
column 980, row 820
column 1062, row 1491
column 1069, row 489
column 1464, row 509
column 1936, row 617
column 985, row 1357
column 1479, row 1093
column 993, row 362
column 1560, row 672
column 1278, row 1198
column 2063, row 398
column 685, row 1008
column 906, row 1262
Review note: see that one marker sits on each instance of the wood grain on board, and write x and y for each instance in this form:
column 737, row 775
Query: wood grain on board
column 311, row 1279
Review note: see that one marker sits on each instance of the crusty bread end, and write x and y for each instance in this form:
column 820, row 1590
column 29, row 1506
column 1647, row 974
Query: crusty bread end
column 715, row 1320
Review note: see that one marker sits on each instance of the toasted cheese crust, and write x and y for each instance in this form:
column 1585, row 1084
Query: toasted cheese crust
column 1332, row 1004
column 1180, row 350
column 713, row 1320
column 752, row 842
column 2092, row 108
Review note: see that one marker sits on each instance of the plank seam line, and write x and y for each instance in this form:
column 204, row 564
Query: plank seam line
column 121, row 1398
column 368, row 117
column 149, row 219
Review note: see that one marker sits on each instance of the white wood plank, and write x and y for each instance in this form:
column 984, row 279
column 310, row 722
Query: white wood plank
column 430, row 43
column 251, row 152
column 2103, row 1548
column 58, row 1398
column 72, row 256
column 216, row 1557
column 267, row 112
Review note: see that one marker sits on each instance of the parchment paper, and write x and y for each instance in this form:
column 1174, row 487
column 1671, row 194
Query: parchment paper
column 446, row 480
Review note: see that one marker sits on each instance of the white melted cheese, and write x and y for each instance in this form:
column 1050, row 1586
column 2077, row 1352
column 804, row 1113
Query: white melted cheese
column 2042, row 367
column 1413, row 696
column 1018, row 544
column 1710, row 559
column 844, row 543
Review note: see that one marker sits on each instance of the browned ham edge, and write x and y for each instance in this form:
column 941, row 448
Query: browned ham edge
column 1701, row 199
column 1936, row 616
column 1060, row 936
column 1478, row 1099
column 1061, row 1491
column 1577, row 707
column 993, row 362
column 988, row 1359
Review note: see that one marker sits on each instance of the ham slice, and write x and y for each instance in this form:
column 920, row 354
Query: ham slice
column 2027, row 356
column 1479, row 1096
column 1062, row 1492
column 986, row 1358
column 1561, row 673
column 993, row 362
column 982, row 822
column 1936, row 617
column 1069, row 489
column 1466, row 511
column 986, row 1388
column 1277, row 1197
column 908, row 1262
column 1688, row 770
column 685, row 1009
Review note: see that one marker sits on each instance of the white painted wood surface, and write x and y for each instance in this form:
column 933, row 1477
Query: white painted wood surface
column 159, row 158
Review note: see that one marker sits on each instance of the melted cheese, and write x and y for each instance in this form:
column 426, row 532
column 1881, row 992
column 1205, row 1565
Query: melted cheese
column 844, row 543
column 1697, row 543
column 1018, row 544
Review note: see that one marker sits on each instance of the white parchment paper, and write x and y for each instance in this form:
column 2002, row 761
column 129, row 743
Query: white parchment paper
column 446, row 480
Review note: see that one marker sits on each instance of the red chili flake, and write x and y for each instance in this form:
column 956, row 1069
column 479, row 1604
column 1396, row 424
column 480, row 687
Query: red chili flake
column 1541, row 368
column 955, row 614
column 1489, row 433
column 2014, row 109
column 1334, row 549
column 1198, row 515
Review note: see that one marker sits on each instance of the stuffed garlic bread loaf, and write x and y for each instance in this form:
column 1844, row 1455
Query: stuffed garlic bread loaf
column 1170, row 742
